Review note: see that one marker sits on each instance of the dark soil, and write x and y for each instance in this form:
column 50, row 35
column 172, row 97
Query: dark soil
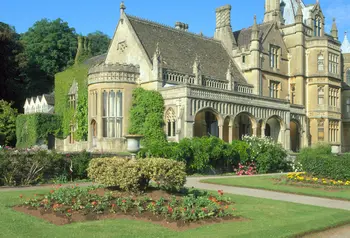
column 60, row 219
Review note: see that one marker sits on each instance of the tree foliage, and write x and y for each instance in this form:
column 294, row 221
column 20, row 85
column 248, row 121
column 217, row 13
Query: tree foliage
column 146, row 116
column 10, row 63
column 50, row 46
column 99, row 43
column 7, row 123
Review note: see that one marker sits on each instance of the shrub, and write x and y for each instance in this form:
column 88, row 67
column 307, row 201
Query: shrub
column 320, row 162
column 199, row 154
column 270, row 157
column 7, row 123
column 135, row 175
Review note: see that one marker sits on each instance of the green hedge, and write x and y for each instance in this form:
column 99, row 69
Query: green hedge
column 320, row 162
column 16, row 166
column 135, row 175
column 34, row 128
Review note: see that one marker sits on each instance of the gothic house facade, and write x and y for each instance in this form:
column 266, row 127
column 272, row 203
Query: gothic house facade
column 285, row 78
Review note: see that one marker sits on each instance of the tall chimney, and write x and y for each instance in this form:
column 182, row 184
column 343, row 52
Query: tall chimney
column 223, row 30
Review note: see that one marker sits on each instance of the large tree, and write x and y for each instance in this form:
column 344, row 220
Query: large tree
column 10, row 63
column 50, row 46
column 99, row 42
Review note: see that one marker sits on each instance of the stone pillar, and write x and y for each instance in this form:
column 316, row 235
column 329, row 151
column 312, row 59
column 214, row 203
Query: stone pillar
column 262, row 130
column 255, row 131
column 189, row 129
column 221, row 132
column 230, row 134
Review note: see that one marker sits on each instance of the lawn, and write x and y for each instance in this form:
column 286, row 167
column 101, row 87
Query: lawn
column 266, row 218
column 268, row 183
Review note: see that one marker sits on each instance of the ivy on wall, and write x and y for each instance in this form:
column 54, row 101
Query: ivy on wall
column 63, row 82
column 146, row 116
column 32, row 129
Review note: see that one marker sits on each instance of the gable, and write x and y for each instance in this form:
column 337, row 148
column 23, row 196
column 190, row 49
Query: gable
column 274, row 37
column 125, row 48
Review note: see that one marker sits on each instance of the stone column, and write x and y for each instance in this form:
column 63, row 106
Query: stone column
column 262, row 130
column 255, row 131
column 230, row 134
column 221, row 132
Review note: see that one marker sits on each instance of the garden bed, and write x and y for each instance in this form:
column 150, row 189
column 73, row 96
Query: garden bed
column 172, row 210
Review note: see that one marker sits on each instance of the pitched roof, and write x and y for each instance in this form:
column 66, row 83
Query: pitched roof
column 50, row 98
column 243, row 36
column 179, row 49
column 95, row 60
column 345, row 47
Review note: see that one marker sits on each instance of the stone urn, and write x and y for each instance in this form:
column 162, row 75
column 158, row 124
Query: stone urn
column 133, row 142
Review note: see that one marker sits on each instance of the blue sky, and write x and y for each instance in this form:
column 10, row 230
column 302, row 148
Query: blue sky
column 88, row 16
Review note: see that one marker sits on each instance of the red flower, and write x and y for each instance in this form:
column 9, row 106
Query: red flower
column 185, row 209
column 21, row 196
column 192, row 211
column 221, row 192
column 170, row 210
column 124, row 201
column 226, row 207
column 69, row 210
column 94, row 203
column 113, row 205
column 153, row 203
column 204, row 209
column 52, row 191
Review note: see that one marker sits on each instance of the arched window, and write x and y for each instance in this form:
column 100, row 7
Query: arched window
column 348, row 76
column 317, row 26
column 320, row 62
column 170, row 119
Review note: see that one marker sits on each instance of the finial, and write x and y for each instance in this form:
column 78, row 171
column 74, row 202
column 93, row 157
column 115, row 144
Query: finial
column 122, row 6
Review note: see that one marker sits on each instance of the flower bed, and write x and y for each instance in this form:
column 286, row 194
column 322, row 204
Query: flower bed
column 78, row 204
column 305, row 178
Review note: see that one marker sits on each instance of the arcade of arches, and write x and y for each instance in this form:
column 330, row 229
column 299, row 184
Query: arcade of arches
column 210, row 123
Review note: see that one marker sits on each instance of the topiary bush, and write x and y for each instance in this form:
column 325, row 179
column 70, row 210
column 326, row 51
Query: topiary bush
column 135, row 175
column 320, row 162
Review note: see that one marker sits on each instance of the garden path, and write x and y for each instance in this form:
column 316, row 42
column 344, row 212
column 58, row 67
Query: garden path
column 301, row 199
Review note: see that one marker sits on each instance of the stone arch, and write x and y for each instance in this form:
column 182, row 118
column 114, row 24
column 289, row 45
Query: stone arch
column 207, row 122
column 227, row 126
column 170, row 122
column 243, row 124
column 274, row 127
column 93, row 126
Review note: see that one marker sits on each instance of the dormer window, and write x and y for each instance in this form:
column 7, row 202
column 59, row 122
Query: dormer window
column 317, row 26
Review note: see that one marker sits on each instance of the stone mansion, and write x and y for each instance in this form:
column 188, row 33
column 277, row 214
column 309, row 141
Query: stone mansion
column 285, row 78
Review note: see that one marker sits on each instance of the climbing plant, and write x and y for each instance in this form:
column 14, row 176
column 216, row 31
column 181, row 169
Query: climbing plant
column 63, row 82
column 32, row 129
column 146, row 116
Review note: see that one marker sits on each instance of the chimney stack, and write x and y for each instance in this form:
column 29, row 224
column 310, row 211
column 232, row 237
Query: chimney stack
column 181, row 26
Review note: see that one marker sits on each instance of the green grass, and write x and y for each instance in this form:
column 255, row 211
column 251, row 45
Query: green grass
column 267, row 183
column 267, row 218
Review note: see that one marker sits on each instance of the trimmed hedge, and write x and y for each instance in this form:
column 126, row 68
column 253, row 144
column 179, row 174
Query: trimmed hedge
column 32, row 129
column 320, row 162
column 135, row 175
